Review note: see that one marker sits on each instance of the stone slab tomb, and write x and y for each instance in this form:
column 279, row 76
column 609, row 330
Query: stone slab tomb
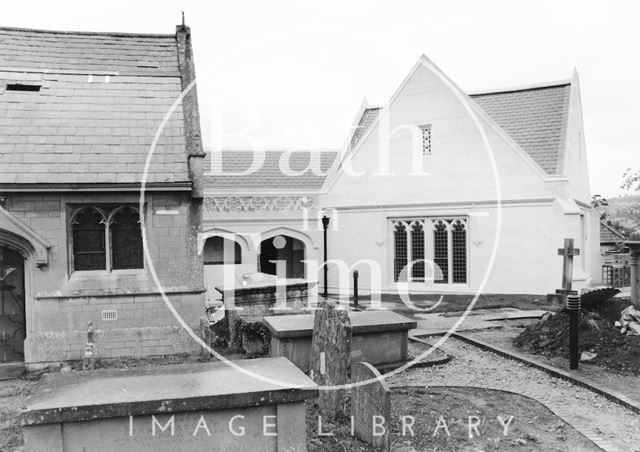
column 198, row 407
column 261, row 295
column 378, row 337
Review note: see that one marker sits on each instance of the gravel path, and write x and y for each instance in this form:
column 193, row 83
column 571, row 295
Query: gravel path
column 612, row 426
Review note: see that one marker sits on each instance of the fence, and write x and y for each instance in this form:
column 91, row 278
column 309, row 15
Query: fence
column 616, row 276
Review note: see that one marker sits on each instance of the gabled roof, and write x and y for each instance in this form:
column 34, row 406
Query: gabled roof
column 102, row 97
column 272, row 174
column 610, row 235
column 536, row 119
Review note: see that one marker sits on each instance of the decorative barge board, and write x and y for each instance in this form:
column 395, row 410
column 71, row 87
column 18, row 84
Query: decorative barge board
column 209, row 406
column 378, row 337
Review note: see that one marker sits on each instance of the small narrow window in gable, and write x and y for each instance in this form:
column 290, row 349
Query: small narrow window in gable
column 426, row 139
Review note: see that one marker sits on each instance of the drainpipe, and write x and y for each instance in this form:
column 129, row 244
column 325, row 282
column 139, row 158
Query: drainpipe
column 325, row 226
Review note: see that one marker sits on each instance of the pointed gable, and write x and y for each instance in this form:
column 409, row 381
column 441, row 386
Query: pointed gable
column 535, row 118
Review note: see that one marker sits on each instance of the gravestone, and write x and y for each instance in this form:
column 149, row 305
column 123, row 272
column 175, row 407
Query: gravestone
column 370, row 406
column 331, row 357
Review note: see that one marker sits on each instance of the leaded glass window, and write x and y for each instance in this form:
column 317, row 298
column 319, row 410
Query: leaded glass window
column 126, row 239
column 417, row 251
column 459, row 251
column 106, row 237
column 441, row 252
column 88, row 233
column 430, row 244
column 400, row 246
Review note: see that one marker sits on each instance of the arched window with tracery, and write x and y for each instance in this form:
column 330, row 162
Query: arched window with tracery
column 441, row 252
column 417, row 251
column 106, row 237
column 400, row 247
column 459, row 251
column 88, row 226
column 126, row 238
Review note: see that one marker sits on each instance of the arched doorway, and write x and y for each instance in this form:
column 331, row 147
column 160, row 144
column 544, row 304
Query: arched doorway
column 12, row 306
column 286, row 249
column 221, row 257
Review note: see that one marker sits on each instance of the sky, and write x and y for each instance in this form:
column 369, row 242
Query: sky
column 293, row 74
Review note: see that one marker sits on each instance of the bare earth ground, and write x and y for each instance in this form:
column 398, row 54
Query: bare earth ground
column 503, row 338
column 470, row 367
column 476, row 368
column 13, row 397
column 533, row 427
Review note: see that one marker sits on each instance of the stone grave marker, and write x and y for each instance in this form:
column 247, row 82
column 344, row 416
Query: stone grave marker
column 370, row 406
column 331, row 356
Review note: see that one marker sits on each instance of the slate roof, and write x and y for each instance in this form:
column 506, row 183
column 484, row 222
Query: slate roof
column 369, row 115
column 270, row 175
column 102, row 98
column 610, row 235
column 536, row 119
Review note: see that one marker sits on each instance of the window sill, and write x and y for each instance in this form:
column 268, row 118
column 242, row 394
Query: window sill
column 69, row 293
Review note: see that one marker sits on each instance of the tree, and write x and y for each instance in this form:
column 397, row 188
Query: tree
column 631, row 180
column 600, row 204
column 631, row 183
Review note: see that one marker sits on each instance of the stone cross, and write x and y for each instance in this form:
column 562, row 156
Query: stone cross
column 568, row 252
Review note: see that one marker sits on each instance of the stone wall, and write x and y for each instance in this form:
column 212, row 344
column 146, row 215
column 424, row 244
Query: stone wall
column 60, row 302
column 144, row 326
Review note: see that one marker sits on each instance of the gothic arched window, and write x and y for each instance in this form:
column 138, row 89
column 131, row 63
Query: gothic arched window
column 219, row 250
column 441, row 252
column 417, row 251
column 459, row 251
column 106, row 238
column 126, row 239
column 88, row 227
column 400, row 247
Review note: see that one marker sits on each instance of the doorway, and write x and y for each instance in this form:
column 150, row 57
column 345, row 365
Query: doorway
column 284, row 249
column 12, row 306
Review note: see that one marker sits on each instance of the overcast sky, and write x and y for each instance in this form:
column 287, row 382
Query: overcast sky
column 295, row 72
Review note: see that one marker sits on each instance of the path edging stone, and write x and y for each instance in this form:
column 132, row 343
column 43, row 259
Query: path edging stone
column 613, row 396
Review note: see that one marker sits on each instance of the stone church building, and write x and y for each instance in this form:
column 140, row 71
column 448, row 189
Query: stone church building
column 78, row 116
column 107, row 218
column 439, row 191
